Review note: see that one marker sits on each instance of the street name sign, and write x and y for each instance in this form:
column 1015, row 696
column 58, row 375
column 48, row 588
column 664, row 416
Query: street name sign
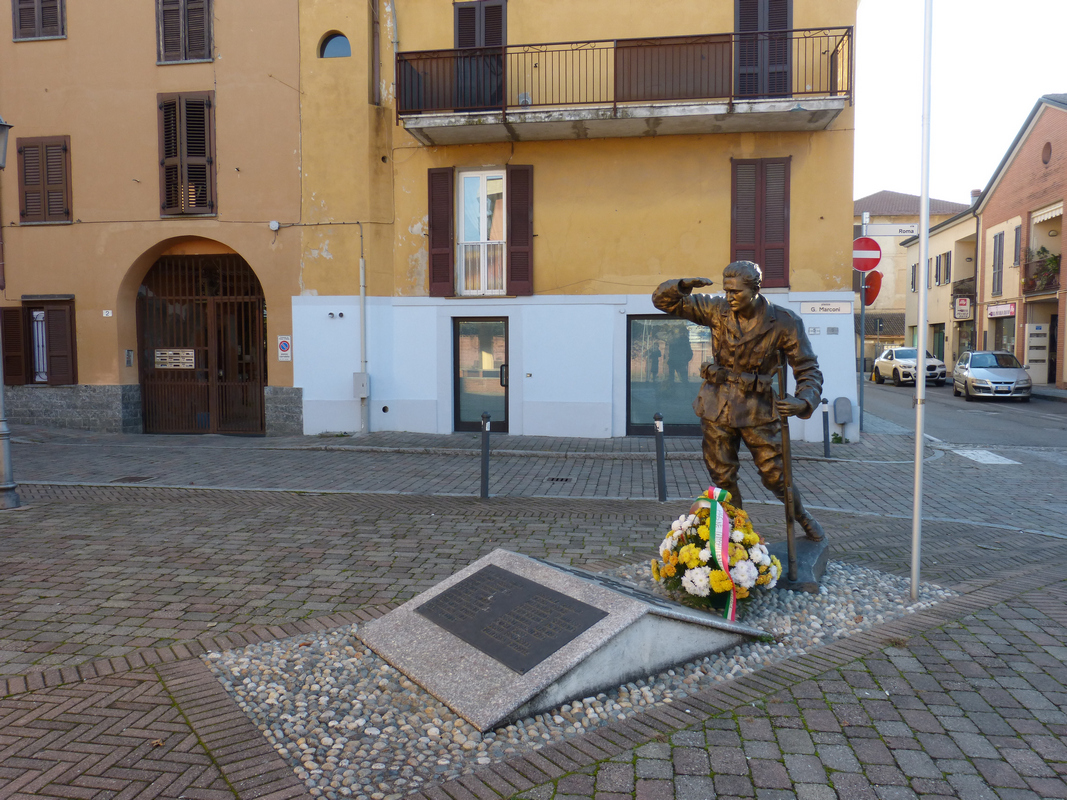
column 889, row 229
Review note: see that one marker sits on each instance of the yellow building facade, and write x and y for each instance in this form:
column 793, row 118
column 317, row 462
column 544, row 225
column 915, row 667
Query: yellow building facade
column 462, row 208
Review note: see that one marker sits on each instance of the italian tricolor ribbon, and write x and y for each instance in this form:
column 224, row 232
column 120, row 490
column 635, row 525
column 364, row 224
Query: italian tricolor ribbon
column 719, row 544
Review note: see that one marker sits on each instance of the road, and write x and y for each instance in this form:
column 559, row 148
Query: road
column 1039, row 423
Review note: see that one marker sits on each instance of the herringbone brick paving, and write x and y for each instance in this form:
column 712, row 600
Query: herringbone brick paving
column 113, row 585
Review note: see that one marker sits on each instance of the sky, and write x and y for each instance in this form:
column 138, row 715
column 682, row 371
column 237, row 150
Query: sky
column 991, row 63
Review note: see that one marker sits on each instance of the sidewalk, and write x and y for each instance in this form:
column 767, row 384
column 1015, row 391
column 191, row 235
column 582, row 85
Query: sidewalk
column 131, row 557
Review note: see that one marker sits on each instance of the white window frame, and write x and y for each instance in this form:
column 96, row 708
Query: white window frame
column 483, row 242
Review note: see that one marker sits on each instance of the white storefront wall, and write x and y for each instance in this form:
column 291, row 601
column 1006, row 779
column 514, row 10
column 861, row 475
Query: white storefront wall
column 567, row 361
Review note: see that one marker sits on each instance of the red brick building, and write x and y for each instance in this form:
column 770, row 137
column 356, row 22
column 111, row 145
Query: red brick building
column 1022, row 306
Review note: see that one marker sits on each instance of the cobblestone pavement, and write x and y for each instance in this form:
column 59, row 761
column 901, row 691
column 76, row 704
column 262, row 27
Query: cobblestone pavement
column 128, row 561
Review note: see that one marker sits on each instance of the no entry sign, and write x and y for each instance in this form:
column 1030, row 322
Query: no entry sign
column 865, row 253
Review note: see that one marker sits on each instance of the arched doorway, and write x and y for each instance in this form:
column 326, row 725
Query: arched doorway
column 201, row 329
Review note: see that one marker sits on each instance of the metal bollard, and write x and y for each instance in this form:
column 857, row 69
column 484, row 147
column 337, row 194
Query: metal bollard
column 825, row 428
column 485, row 454
column 661, row 459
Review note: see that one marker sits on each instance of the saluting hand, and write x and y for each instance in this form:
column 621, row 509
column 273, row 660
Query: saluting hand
column 689, row 284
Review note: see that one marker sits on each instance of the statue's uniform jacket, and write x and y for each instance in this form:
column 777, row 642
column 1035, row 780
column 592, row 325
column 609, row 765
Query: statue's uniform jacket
column 737, row 389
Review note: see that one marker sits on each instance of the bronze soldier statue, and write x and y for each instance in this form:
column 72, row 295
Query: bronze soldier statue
column 736, row 402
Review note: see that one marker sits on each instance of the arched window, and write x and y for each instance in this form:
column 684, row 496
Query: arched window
column 335, row 45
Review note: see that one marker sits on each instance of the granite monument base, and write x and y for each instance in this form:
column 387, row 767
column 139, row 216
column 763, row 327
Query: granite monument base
column 511, row 636
column 811, row 564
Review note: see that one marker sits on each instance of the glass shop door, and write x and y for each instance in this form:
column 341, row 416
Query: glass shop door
column 480, row 356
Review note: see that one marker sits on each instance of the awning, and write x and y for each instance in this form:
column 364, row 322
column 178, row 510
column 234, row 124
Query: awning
column 1047, row 213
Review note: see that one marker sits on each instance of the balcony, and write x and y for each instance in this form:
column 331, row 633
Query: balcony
column 1042, row 276
column 798, row 80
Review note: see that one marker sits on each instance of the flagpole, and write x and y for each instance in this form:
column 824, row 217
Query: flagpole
column 921, row 320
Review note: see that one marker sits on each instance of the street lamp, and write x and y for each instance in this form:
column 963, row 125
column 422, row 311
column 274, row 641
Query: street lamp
column 9, row 496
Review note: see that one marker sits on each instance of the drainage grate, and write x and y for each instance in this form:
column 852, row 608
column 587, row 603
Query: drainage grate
column 133, row 479
column 559, row 480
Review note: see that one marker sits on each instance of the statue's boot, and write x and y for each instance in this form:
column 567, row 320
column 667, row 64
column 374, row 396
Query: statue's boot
column 812, row 528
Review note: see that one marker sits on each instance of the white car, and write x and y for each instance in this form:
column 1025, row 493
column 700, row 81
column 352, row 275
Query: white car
column 899, row 364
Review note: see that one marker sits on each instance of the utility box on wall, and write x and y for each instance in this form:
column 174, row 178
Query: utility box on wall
column 360, row 385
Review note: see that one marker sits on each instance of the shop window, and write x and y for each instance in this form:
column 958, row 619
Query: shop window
column 39, row 342
column 38, row 19
column 481, row 232
column 663, row 373
column 184, row 30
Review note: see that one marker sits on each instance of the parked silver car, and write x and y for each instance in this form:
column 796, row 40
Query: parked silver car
column 991, row 373
column 899, row 363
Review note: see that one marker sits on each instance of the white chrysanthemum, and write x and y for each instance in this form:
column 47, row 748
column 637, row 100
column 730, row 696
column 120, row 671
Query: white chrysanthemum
column 745, row 574
column 736, row 536
column 692, row 521
column 775, row 572
column 681, row 523
column 668, row 543
column 705, row 555
column 759, row 555
column 697, row 581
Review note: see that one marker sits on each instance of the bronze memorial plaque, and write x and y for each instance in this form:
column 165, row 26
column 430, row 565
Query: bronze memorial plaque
column 518, row 622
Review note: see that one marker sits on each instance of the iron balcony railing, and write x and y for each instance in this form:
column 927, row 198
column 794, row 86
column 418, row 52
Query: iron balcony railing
column 1041, row 276
column 810, row 62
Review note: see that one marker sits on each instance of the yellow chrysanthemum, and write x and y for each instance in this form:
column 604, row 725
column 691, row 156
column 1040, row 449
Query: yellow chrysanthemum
column 705, row 532
column 777, row 563
column 720, row 581
column 750, row 539
column 737, row 553
column 704, row 514
column 763, row 569
column 742, row 592
column 672, row 558
column 690, row 556
column 763, row 579
column 668, row 570
column 655, row 570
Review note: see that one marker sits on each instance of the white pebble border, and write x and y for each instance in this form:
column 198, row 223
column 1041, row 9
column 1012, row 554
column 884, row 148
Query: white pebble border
column 354, row 727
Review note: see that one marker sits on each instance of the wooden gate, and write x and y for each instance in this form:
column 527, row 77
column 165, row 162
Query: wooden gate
column 201, row 328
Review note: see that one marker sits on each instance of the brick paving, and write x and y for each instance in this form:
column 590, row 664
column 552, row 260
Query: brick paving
column 112, row 587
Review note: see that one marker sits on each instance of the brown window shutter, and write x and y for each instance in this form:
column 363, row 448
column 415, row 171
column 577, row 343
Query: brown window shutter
column 759, row 229
column 197, row 29
column 170, row 178
column 466, row 25
column 493, row 28
column 12, row 331
column 31, row 180
column 169, row 19
column 51, row 18
column 744, row 222
column 442, row 249
column 57, row 180
column 775, row 233
column 24, row 23
column 520, row 229
column 198, row 196
column 59, row 335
